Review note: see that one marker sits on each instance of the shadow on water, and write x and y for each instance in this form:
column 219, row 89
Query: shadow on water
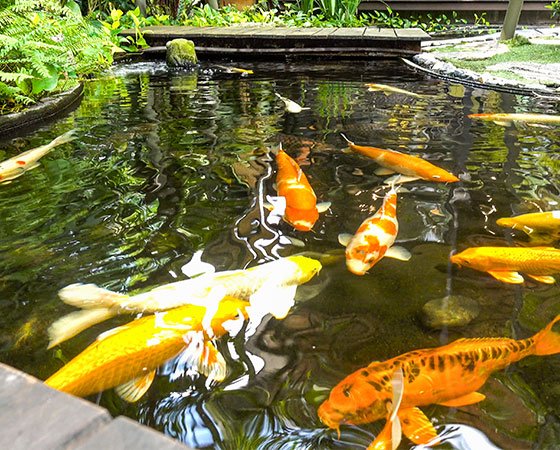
column 168, row 163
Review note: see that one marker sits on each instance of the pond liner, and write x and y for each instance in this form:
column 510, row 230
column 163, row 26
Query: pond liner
column 509, row 89
column 46, row 109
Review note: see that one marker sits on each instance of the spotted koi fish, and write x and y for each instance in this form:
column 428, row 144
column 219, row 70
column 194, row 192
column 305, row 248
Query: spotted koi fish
column 16, row 166
column 413, row 167
column 540, row 226
column 296, row 201
column 374, row 238
column 505, row 263
column 449, row 375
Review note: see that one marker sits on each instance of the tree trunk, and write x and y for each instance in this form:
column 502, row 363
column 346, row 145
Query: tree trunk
column 512, row 18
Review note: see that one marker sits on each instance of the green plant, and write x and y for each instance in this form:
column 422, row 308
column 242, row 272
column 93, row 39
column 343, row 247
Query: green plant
column 481, row 20
column 554, row 8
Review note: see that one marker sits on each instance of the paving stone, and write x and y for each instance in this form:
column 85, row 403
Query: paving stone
column 123, row 433
column 34, row 416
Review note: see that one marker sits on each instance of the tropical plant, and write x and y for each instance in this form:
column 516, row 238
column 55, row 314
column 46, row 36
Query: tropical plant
column 554, row 8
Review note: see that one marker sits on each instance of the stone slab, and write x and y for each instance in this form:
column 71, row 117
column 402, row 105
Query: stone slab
column 34, row 416
column 124, row 433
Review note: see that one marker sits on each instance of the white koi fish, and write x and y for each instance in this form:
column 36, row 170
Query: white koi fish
column 390, row 89
column 291, row 106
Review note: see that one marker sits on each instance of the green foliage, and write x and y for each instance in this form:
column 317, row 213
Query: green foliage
column 43, row 47
column 554, row 8
column 428, row 23
column 518, row 41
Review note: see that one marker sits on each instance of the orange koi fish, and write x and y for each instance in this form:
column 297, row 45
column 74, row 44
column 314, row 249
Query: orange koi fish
column 540, row 227
column 449, row 375
column 507, row 119
column 413, row 167
column 16, row 166
column 505, row 263
column 296, row 201
column 127, row 357
column 374, row 238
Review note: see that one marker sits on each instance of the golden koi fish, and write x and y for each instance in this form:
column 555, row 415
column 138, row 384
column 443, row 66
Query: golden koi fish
column 412, row 166
column 449, row 375
column 505, row 263
column 507, row 118
column 390, row 89
column 236, row 69
column 290, row 105
column 374, row 238
column 19, row 164
column 269, row 287
column 127, row 357
column 296, row 201
column 540, row 227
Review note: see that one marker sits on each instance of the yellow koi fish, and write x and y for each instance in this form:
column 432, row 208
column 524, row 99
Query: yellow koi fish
column 449, row 375
column 390, row 89
column 290, row 105
column 127, row 357
column 269, row 287
column 540, row 227
column 374, row 238
column 413, row 167
column 236, row 69
column 19, row 164
column 507, row 118
column 505, row 263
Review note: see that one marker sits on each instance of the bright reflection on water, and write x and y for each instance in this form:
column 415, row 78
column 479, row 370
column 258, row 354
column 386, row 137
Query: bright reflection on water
column 170, row 163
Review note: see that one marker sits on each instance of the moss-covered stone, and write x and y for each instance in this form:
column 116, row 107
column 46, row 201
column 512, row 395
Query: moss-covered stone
column 181, row 53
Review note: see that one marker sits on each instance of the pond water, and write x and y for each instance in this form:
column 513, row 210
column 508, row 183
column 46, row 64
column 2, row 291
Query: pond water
column 166, row 164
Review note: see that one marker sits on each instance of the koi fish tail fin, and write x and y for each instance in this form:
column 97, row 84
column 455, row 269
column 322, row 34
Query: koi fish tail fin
column 90, row 296
column 73, row 323
column 63, row 138
column 547, row 341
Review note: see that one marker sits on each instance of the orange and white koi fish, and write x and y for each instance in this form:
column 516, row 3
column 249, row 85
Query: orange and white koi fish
column 505, row 263
column 374, row 238
column 390, row 89
column 413, row 167
column 508, row 118
column 127, row 357
column 19, row 164
column 449, row 375
column 540, row 226
column 296, row 201
column 290, row 105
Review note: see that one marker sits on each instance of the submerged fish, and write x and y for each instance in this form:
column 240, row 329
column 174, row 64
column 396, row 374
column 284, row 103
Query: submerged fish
column 290, row 105
column 236, row 69
column 390, row 89
column 127, row 357
column 374, row 238
column 506, row 118
column 269, row 287
column 449, row 375
column 505, row 263
column 412, row 167
column 19, row 164
column 540, row 227
column 296, row 201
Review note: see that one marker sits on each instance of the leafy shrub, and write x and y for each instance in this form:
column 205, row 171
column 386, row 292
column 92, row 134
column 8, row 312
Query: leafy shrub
column 554, row 8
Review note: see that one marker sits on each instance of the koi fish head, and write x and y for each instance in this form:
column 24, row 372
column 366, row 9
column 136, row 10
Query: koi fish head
column 229, row 308
column 354, row 400
column 361, row 258
column 307, row 268
column 471, row 258
column 507, row 222
column 301, row 219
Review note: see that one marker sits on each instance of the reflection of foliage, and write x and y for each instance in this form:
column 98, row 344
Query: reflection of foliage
column 335, row 99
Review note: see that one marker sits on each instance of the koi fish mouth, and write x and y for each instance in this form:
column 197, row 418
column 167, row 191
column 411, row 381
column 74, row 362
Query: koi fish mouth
column 330, row 417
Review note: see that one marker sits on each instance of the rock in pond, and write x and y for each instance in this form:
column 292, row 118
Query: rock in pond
column 181, row 53
column 449, row 311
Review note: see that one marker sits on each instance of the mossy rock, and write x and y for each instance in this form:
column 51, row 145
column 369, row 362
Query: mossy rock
column 181, row 53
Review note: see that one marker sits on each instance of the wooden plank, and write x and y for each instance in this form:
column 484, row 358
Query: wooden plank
column 413, row 34
column 34, row 416
column 380, row 33
column 323, row 32
column 124, row 433
column 295, row 32
column 348, row 33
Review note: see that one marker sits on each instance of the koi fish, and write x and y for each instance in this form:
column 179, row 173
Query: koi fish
column 269, row 287
column 127, row 357
column 505, row 263
column 296, row 201
column 19, row 164
column 374, row 238
column 236, row 69
column 413, row 167
column 540, row 227
column 290, row 105
column 390, row 89
column 507, row 119
column 449, row 375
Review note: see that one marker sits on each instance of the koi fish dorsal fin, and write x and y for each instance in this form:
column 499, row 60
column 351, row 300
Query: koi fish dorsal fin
column 72, row 324
column 396, row 252
column 134, row 390
column 469, row 399
column 510, row 277
column 416, row 426
column 543, row 278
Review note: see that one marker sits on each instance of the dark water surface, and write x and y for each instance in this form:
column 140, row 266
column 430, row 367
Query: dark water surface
column 169, row 163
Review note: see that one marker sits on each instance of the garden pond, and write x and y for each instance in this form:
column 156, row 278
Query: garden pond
column 167, row 163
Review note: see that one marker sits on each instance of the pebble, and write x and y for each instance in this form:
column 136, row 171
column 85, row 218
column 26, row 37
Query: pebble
column 449, row 311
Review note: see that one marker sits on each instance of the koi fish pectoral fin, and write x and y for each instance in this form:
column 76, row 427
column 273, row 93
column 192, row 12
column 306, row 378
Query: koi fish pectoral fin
column 276, row 204
column 399, row 179
column 510, row 277
column 543, row 278
column 202, row 356
column 323, row 206
column 382, row 171
column 469, row 399
column 345, row 238
column 416, row 426
column 134, row 390
column 400, row 253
